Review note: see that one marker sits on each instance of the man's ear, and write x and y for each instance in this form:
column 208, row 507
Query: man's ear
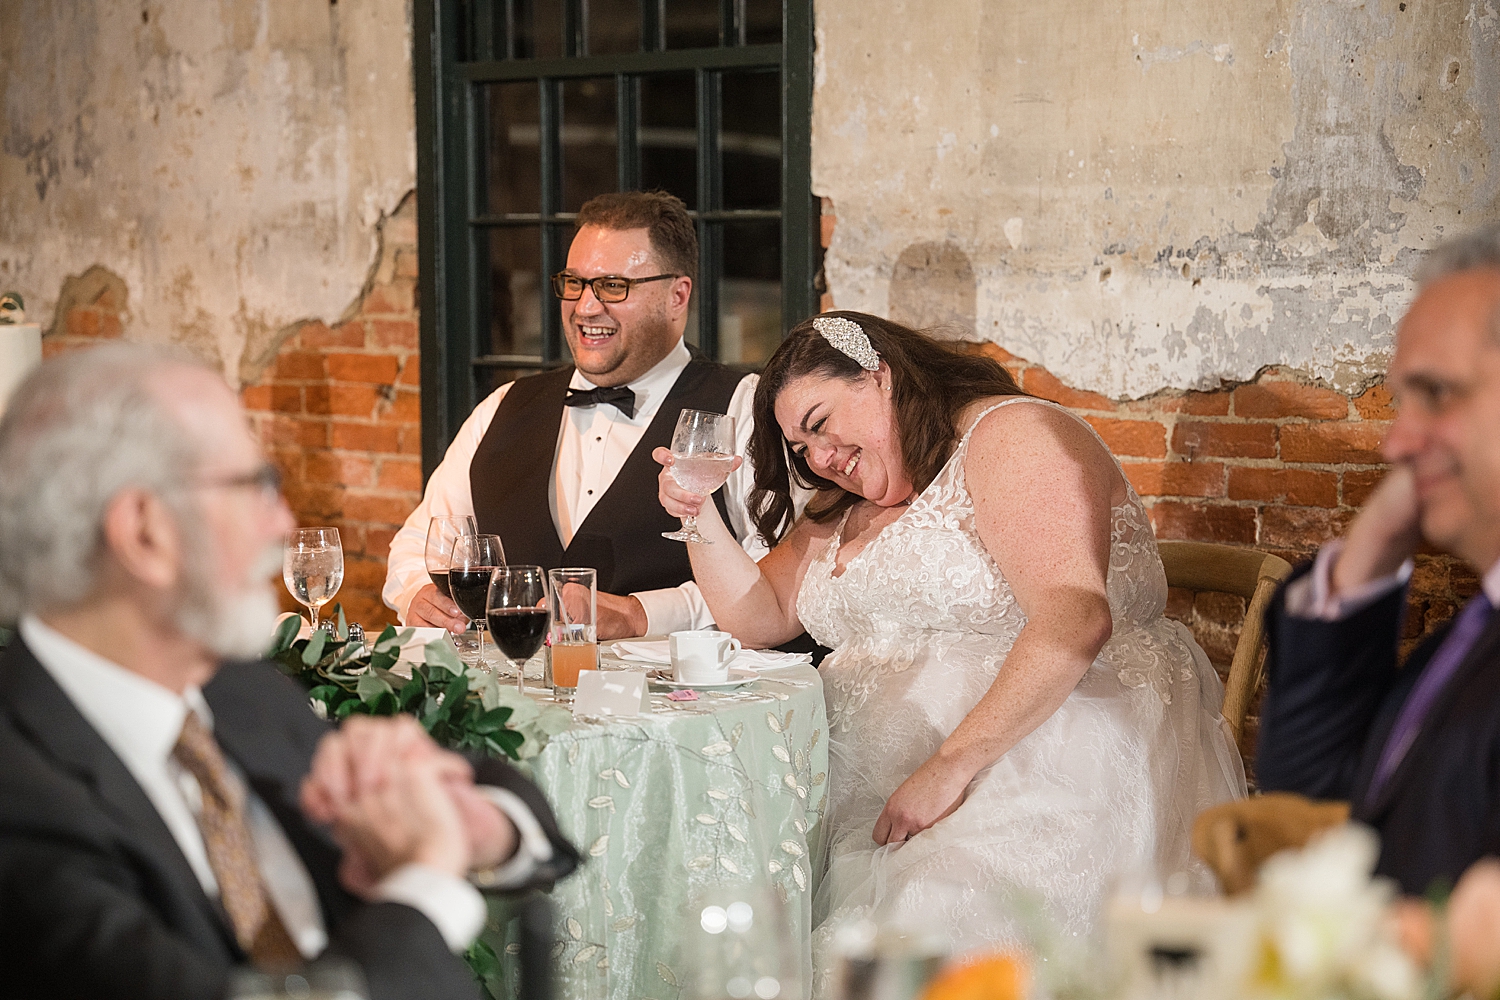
column 680, row 295
column 141, row 536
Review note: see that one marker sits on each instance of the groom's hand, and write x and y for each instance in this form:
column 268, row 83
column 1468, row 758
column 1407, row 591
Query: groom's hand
column 932, row 792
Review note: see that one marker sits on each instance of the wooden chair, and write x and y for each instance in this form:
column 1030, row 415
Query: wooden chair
column 1235, row 838
column 1246, row 573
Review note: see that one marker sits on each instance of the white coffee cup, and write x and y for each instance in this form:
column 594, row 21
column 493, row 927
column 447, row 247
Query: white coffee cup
column 702, row 656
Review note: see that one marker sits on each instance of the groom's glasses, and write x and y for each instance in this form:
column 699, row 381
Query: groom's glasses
column 607, row 287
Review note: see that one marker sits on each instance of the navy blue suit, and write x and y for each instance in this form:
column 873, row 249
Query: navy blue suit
column 1335, row 689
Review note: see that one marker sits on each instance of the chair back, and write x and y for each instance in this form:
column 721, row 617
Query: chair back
column 1235, row 838
column 1247, row 573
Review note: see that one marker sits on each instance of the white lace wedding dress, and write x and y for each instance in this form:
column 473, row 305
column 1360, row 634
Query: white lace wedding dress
column 920, row 622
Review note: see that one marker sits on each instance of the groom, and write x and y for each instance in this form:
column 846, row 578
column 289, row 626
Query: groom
column 1415, row 747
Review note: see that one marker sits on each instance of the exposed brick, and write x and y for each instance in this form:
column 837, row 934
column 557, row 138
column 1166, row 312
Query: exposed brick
column 375, row 508
column 400, row 474
column 1222, row 609
column 378, row 542
column 1198, row 438
column 361, row 573
column 256, row 397
column 406, row 408
column 1041, row 382
column 365, row 608
column 1333, row 443
column 1298, row 487
column 286, row 398
column 406, row 263
column 411, row 440
column 82, row 321
column 318, row 335
column 411, row 371
column 1142, row 438
column 284, row 430
column 302, row 366
column 826, row 224
column 1177, row 479
column 340, row 468
column 380, row 369
column 1301, row 528
column 399, row 297
column 1204, row 522
column 110, row 326
column 318, row 503
column 1359, row 484
column 1289, row 399
column 1179, row 605
column 352, row 538
column 367, row 437
column 342, row 400
column 394, row 333
column 1375, row 404
column 1195, row 404
column 990, row 349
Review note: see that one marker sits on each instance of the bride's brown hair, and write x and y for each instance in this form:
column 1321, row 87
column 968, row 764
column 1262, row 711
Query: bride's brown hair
column 931, row 383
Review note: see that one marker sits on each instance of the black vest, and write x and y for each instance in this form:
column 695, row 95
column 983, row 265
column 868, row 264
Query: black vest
column 621, row 538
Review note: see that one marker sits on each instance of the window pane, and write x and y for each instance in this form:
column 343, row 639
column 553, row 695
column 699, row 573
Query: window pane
column 692, row 24
column 669, row 135
column 751, row 140
column 539, row 28
column 515, row 317
column 614, row 26
column 750, row 293
column 588, row 140
column 762, row 22
column 513, row 183
column 489, row 379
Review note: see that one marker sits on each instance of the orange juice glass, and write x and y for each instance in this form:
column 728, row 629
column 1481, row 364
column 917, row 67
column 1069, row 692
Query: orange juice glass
column 573, row 607
column 569, row 658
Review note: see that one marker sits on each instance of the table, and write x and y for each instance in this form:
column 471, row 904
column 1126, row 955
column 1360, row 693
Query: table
column 716, row 791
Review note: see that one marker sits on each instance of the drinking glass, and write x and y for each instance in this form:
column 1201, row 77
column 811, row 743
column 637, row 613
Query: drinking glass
column 313, row 567
column 324, row 979
column 736, row 944
column 442, row 531
column 573, row 605
column 517, row 614
column 475, row 558
column 702, row 458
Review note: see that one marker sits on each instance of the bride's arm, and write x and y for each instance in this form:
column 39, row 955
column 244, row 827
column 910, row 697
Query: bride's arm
column 755, row 601
column 1042, row 489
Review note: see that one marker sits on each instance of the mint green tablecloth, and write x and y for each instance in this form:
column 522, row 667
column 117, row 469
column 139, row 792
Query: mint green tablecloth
column 695, row 794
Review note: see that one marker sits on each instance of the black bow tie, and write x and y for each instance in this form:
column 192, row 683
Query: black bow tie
column 620, row 397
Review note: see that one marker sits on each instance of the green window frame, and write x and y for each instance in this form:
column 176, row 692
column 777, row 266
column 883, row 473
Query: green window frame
column 461, row 47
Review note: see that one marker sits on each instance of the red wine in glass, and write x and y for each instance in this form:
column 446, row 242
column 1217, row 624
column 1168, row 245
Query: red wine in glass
column 440, row 577
column 518, row 631
column 469, row 588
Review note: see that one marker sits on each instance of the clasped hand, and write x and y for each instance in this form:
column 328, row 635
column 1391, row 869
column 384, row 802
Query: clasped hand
column 393, row 797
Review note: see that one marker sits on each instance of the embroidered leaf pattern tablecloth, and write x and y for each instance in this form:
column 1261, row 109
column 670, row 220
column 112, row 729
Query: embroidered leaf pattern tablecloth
column 694, row 794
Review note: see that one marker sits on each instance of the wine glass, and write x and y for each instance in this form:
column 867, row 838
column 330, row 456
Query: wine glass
column 442, row 531
column 702, row 458
column 736, row 943
column 517, row 614
column 474, row 559
column 313, row 567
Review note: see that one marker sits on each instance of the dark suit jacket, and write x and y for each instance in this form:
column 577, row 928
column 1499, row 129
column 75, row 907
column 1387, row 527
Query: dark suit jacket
column 1335, row 690
column 96, row 898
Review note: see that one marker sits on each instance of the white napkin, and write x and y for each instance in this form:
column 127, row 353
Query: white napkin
column 657, row 651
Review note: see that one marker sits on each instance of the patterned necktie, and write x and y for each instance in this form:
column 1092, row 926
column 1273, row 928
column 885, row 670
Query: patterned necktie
column 231, row 853
column 620, row 397
column 1466, row 630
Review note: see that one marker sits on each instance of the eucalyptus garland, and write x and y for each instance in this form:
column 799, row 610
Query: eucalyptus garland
column 462, row 710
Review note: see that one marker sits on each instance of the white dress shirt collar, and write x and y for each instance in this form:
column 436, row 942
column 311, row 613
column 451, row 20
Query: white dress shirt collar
column 651, row 387
column 137, row 717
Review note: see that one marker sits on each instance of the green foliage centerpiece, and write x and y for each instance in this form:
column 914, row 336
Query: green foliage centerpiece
column 462, row 710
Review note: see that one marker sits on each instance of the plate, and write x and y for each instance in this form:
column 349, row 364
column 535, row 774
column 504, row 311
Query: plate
column 737, row 677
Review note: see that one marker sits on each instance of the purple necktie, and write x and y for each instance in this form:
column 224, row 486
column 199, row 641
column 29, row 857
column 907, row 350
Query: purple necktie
column 1461, row 637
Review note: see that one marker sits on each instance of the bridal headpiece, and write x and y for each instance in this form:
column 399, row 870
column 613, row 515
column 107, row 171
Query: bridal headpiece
column 850, row 339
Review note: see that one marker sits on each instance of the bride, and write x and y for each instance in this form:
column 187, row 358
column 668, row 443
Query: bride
column 1008, row 709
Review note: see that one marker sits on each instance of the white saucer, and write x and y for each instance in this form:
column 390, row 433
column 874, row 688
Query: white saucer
column 737, row 677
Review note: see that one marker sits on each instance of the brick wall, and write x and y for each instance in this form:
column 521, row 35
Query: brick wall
column 338, row 409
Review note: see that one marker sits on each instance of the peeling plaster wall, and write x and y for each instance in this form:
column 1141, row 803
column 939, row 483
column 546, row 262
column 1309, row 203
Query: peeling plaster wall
column 229, row 160
column 1147, row 195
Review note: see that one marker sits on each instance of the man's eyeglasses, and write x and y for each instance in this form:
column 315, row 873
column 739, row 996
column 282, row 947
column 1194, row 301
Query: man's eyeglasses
column 266, row 480
column 607, row 287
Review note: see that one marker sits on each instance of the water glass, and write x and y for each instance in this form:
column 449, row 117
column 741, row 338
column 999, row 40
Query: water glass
column 313, row 567
column 573, row 638
column 702, row 458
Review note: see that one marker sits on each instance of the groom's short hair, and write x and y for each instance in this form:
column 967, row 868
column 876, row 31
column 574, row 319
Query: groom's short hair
column 674, row 238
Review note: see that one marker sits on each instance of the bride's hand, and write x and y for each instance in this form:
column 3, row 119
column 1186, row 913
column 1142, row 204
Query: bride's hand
column 933, row 791
column 677, row 501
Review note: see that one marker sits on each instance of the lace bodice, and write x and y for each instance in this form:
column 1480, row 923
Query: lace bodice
column 929, row 570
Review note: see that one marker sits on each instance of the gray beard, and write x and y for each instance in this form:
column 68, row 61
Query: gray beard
column 235, row 625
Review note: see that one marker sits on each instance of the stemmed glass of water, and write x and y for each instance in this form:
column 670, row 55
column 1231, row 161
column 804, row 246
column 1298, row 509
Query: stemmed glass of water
column 702, row 458
column 313, row 567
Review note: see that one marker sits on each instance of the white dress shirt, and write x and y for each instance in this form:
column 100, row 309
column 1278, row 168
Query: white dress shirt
column 140, row 721
column 593, row 444
column 1313, row 596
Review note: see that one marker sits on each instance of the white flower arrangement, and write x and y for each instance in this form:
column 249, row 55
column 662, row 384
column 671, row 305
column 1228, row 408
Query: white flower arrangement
column 1319, row 926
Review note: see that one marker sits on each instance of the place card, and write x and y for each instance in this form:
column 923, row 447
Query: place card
column 614, row 693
